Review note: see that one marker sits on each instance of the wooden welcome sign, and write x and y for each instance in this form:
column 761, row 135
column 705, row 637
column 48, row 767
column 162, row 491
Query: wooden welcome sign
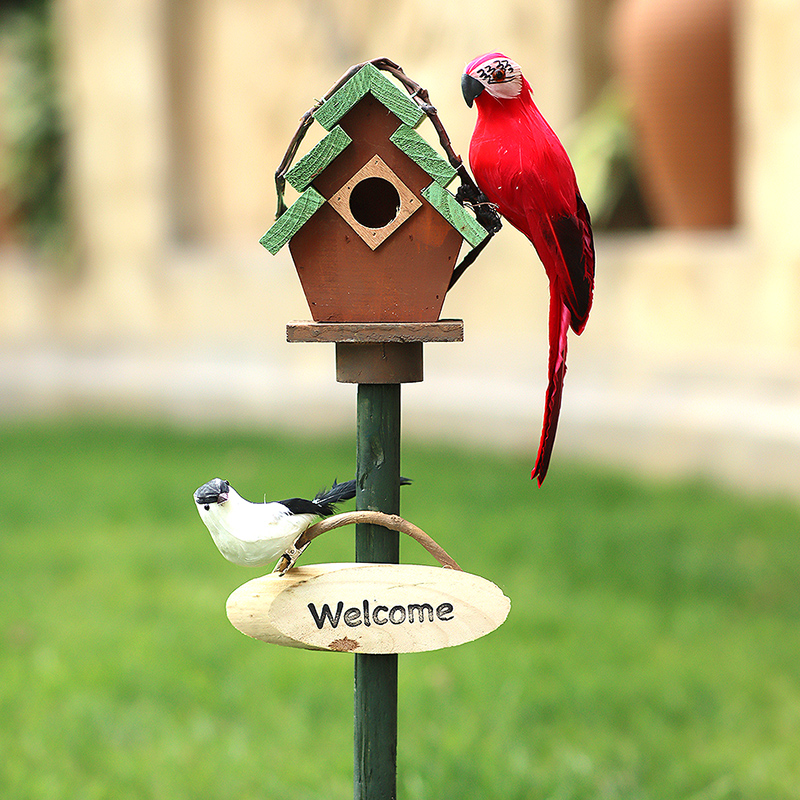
column 368, row 608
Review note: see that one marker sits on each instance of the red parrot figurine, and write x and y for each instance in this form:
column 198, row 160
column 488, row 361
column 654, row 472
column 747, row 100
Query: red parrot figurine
column 522, row 167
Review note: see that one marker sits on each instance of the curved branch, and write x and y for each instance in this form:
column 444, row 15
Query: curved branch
column 391, row 521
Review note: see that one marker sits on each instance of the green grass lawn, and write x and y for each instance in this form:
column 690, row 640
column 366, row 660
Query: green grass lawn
column 652, row 649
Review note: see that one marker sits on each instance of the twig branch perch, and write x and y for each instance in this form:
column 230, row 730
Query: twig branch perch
column 390, row 521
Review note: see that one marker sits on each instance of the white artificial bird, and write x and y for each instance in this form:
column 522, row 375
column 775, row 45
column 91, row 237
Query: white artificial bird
column 254, row 534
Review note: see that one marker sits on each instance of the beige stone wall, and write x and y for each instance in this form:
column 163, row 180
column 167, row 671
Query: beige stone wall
column 180, row 110
column 248, row 69
column 769, row 169
column 115, row 102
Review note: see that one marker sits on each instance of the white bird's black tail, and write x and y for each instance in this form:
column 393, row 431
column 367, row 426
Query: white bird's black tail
column 338, row 493
column 324, row 504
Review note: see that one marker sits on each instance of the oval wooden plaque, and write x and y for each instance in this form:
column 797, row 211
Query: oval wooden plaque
column 368, row 608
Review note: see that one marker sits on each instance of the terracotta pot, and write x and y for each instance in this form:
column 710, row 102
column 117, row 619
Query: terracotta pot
column 674, row 58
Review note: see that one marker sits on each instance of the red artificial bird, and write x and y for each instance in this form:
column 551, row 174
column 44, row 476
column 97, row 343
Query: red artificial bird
column 522, row 167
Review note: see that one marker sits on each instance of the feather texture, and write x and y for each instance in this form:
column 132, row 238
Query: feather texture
column 520, row 165
column 253, row 534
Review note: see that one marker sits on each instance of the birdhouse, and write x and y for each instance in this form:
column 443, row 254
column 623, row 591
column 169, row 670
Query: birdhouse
column 375, row 234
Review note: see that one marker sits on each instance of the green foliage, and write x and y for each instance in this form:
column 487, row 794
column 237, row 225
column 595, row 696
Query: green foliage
column 651, row 650
column 603, row 152
column 31, row 126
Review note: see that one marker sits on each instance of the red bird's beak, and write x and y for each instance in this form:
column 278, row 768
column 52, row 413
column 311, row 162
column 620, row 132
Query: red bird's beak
column 470, row 88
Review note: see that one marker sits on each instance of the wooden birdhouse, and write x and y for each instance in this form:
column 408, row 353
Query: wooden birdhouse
column 375, row 234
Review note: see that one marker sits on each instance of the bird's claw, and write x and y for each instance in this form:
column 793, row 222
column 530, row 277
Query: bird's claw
column 484, row 210
column 289, row 558
column 470, row 195
column 467, row 194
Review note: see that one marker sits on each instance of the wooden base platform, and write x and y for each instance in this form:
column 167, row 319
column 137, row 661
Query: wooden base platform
column 377, row 352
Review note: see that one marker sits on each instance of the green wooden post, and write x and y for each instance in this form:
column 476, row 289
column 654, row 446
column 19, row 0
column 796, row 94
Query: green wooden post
column 378, row 489
column 379, row 357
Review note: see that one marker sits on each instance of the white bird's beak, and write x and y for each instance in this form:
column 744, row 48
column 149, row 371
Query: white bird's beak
column 216, row 491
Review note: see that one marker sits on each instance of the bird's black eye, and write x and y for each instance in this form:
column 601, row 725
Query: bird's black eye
column 499, row 76
column 206, row 507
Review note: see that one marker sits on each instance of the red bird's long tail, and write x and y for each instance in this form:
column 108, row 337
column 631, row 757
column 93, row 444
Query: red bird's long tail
column 556, row 370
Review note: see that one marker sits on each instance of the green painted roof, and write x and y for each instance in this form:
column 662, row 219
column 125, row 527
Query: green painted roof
column 455, row 214
column 292, row 219
column 368, row 79
column 317, row 159
column 419, row 151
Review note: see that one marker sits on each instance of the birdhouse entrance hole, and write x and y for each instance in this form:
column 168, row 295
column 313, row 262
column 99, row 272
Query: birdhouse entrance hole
column 375, row 202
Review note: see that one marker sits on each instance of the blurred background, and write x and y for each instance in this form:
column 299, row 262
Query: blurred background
column 652, row 646
column 138, row 142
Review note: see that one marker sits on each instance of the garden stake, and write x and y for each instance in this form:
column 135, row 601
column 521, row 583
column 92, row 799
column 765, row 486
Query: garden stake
column 377, row 489
column 375, row 237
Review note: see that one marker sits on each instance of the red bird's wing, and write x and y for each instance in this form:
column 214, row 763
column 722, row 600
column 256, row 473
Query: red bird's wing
column 572, row 248
column 531, row 180
column 524, row 169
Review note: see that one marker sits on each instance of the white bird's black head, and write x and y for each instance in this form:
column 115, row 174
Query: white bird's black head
column 215, row 491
